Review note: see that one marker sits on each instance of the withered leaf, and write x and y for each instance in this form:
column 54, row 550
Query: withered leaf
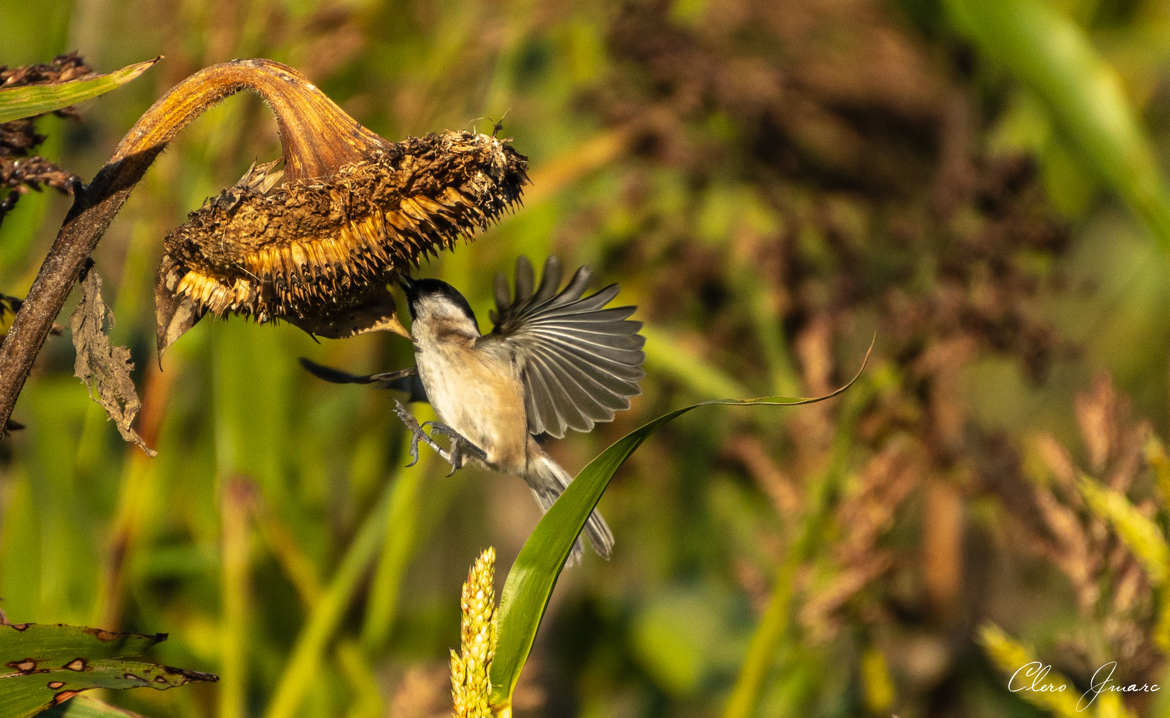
column 105, row 369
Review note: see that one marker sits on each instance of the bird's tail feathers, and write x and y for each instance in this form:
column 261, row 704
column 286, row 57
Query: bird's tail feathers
column 548, row 481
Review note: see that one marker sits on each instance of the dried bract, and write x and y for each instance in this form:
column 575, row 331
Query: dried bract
column 103, row 367
column 319, row 251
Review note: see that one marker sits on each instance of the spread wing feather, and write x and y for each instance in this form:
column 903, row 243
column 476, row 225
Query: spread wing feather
column 580, row 362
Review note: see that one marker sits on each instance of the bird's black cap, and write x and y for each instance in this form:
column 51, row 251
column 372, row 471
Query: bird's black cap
column 416, row 289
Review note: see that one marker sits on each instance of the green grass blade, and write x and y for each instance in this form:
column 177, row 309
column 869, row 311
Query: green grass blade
column 534, row 574
column 29, row 100
column 86, row 707
column 46, row 664
column 1050, row 54
column 326, row 616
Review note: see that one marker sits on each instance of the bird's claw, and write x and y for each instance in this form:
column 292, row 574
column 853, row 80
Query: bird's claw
column 417, row 434
column 461, row 448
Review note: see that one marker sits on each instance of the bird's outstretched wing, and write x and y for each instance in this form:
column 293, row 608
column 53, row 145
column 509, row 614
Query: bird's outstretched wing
column 579, row 361
column 401, row 380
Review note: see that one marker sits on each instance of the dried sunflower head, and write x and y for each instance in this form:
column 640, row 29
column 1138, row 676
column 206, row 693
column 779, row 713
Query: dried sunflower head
column 316, row 245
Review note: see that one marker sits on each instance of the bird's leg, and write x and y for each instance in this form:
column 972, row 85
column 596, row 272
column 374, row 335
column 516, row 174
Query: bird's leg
column 417, row 435
column 461, row 447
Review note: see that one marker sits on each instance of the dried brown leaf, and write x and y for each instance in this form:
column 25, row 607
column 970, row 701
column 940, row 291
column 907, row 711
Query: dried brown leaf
column 105, row 369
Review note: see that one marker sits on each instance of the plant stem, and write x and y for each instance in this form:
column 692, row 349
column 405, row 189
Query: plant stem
column 236, row 538
column 385, row 589
column 774, row 624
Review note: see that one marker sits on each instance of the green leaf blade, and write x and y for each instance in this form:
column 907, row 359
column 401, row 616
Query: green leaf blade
column 533, row 576
column 30, row 100
column 87, row 707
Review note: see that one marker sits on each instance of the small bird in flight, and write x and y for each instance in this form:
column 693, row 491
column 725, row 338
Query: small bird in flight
column 554, row 360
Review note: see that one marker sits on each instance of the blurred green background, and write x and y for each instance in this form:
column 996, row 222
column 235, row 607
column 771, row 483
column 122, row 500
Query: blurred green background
column 770, row 182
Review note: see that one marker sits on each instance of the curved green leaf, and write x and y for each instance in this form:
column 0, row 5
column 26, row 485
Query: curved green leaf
column 29, row 100
column 45, row 665
column 84, row 706
column 533, row 576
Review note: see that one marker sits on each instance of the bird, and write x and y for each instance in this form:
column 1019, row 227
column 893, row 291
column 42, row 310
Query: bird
column 554, row 360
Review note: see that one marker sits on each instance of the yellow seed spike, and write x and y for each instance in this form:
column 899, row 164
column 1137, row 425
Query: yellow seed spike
column 345, row 242
column 287, row 266
column 326, row 253
column 297, row 254
column 320, row 261
column 454, row 197
column 378, row 228
column 412, row 209
column 357, row 237
column 262, row 264
column 396, row 220
column 374, row 240
column 276, row 264
column 312, row 267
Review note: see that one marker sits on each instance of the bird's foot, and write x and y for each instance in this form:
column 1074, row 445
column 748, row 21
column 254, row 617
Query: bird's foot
column 461, row 448
column 417, row 434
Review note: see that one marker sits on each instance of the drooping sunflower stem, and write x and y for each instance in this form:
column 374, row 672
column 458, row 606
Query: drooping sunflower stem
column 316, row 135
column 328, row 277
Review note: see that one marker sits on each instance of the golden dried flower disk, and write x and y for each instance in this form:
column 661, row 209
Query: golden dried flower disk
column 315, row 251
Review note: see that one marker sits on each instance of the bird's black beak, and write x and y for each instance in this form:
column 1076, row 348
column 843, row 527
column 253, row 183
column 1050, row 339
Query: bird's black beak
column 410, row 289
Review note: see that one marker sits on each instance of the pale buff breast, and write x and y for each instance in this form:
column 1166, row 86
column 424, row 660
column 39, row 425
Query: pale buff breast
column 477, row 393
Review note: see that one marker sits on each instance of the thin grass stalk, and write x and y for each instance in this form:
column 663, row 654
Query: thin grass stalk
column 775, row 625
column 398, row 548
column 355, row 666
column 234, row 558
column 769, row 331
column 125, row 530
column 302, row 573
column 327, row 613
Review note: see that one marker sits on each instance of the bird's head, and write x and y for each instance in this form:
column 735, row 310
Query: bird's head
column 437, row 307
